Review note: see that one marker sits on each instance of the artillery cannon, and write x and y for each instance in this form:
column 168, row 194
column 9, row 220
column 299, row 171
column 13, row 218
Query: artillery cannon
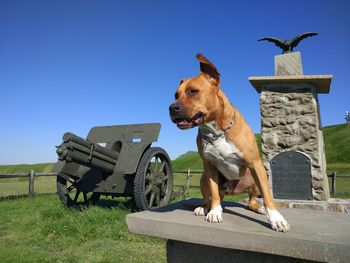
column 114, row 161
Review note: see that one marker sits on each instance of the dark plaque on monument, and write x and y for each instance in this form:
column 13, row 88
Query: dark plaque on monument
column 291, row 176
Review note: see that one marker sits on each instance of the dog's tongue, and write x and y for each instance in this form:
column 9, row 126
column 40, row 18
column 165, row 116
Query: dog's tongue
column 184, row 124
column 198, row 120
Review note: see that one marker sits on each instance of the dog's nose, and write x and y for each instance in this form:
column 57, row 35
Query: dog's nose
column 175, row 107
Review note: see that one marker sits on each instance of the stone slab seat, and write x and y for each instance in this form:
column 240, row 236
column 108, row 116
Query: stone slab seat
column 314, row 236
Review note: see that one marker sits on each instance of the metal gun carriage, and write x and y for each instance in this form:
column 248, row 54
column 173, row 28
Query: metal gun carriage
column 114, row 161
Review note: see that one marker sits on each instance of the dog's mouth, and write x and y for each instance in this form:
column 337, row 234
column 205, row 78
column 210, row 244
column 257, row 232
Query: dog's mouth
column 187, row 123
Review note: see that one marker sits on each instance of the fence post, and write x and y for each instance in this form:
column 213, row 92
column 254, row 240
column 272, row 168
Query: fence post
column 31, row 184
column 334, row 176
column 188, row 179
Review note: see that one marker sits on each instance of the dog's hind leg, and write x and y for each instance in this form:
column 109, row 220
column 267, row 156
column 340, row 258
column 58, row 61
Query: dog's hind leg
column 253, row 204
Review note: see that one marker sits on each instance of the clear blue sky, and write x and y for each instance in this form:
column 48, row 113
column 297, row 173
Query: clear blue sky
column 71, row 65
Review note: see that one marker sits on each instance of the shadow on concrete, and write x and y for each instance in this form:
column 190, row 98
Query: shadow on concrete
column 191, row 204
column 260, row 222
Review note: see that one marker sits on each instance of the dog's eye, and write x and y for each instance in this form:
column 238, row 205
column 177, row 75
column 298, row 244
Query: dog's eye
column 176, row 95
column 192, row 91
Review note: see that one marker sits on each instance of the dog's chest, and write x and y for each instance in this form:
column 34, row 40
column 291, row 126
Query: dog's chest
column 222, row 153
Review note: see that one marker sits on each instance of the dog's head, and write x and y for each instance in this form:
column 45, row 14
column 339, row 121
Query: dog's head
column 196, row 99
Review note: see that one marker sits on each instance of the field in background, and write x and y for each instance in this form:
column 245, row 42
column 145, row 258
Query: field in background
column 19, row 186
column 43, row 185
column 337, row 144
column 336, row 138
column 25, row 168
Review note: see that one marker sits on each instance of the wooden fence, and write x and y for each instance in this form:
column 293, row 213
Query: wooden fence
column 31, row 177
column 189, row 172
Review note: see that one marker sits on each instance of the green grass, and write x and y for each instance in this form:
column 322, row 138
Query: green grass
column 19, row 186
column 339, row 168
column 190, row 160
column 342, row 187
column 42, row 230
column 25, row 168
column 337, row 143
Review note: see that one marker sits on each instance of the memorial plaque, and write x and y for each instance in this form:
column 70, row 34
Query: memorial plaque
column 291, row 176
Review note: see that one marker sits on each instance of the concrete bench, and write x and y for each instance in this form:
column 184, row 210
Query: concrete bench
column 244, row 236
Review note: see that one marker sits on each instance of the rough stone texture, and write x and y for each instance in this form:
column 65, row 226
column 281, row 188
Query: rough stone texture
column 290, row 121
column 331, row 205
column 314, row 236
column 288, row 64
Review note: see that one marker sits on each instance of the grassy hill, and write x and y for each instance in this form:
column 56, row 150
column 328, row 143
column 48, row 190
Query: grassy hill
column 25, row 168
column 336, row 138
column 190, row 160
column 337, row 144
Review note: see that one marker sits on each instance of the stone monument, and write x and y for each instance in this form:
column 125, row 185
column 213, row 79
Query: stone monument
column 291, row 130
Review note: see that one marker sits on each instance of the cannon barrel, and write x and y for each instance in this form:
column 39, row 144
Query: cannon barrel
column 76, row 149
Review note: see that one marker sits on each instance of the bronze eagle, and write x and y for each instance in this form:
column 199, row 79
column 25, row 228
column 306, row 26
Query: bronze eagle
column 288, row 45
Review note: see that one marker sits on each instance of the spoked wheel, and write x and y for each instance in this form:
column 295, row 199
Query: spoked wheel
column 153, row 183
column 71, row 196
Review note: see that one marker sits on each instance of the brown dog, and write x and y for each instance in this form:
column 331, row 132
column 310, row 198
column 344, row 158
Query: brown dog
column 226, row 144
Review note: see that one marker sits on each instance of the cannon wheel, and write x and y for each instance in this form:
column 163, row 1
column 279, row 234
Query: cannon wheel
column 70, row 195
column 153, row 182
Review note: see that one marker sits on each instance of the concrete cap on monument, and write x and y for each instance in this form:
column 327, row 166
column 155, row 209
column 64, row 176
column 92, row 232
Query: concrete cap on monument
column 321, row 83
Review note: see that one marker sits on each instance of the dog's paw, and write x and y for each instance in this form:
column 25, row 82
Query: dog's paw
column 261, row 210
column 277, row 221
column 215, row 215
column 200, row 211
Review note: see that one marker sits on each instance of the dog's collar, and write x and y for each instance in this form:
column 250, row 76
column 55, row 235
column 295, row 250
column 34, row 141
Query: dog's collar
column 210, row 131
column 229, row 126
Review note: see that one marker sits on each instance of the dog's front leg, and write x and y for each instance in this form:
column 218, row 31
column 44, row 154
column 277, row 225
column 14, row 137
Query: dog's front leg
column 203, row 210
column 277, row 221
column 212, row 175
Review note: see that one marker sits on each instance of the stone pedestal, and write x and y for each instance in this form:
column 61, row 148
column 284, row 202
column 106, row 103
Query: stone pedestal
column 291, row 130
column 290, row 120
column 244, row 236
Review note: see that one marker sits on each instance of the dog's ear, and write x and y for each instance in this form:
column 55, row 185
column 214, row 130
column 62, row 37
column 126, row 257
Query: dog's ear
column 208, row 68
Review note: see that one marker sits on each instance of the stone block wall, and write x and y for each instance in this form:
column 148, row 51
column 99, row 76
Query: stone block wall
column 290, row 121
